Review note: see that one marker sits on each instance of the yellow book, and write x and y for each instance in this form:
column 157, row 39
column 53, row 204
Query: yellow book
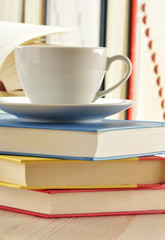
column 51, row 173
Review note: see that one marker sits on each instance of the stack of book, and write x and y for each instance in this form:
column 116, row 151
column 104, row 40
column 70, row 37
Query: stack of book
column 66, row 170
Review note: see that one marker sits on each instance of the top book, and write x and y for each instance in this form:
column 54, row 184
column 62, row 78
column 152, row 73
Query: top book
column 110, row 139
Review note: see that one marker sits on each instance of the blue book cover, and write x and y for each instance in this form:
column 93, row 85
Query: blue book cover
column 7, row 120
column 109, row 139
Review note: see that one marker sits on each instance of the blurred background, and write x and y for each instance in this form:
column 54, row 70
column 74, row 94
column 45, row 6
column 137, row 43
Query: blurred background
column 131, row 27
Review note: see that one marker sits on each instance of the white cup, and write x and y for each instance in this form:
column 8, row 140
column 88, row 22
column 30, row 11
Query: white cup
column 65, row 75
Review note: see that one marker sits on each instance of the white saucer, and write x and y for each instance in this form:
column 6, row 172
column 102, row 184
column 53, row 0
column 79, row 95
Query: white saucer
column 65, row 113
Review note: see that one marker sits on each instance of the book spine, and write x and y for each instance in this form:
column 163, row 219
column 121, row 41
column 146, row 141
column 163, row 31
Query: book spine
column 103, row 23
column 103, row 26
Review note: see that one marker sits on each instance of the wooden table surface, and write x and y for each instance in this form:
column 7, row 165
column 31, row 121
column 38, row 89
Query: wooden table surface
column 17, row 226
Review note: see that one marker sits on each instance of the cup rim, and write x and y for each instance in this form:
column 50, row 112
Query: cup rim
column 58, row 47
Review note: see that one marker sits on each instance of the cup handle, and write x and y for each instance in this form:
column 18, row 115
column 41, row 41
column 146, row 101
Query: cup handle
column 110, row 60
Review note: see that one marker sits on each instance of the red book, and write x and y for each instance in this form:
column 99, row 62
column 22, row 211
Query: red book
column 83, row 203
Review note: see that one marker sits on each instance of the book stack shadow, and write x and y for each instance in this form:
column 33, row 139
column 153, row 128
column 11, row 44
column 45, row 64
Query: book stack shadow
column 113, row 167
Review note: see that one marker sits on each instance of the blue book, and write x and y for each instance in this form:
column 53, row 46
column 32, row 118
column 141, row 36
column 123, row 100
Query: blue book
column 110, row 139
